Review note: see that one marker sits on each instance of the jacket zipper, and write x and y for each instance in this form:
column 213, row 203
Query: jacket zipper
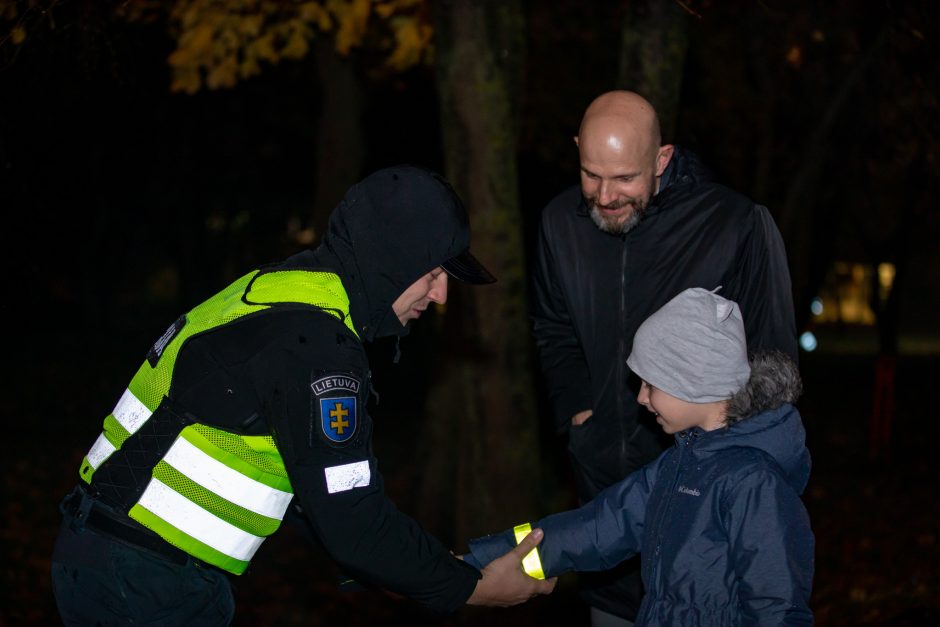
column 657, row 575
column 621, row 349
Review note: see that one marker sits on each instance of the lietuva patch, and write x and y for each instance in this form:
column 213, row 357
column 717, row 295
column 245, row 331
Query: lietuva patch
column 336, row 400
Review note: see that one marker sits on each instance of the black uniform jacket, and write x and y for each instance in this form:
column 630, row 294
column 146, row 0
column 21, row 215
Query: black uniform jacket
column 295, row 369
column 592, row 290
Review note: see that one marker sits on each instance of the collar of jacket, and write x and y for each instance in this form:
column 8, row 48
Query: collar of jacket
column 777, row 432
column 684, row 169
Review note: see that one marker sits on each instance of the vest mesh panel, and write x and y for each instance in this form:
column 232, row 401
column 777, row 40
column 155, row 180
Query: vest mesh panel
column 242, row 448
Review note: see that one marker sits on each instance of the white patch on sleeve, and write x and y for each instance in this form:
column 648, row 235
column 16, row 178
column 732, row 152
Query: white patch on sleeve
column 347, row 477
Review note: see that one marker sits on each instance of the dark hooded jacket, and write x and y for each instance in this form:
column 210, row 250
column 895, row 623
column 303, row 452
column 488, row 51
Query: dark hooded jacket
column 724, row 537
column 261, row 374
column 389, row 230
column 592, row 290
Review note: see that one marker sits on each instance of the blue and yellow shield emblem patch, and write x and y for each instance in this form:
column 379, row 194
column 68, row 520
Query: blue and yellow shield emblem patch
column 338, row 418
column 336, row 397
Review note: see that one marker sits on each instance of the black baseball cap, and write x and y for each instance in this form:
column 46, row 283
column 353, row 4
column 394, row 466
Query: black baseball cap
column 465, row 267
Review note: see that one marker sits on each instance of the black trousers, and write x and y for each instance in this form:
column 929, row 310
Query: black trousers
column 99, row 580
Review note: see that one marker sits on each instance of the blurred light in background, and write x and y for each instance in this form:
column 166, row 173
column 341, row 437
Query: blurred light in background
column 808, row 341
column 885, row 280
column 849, row 292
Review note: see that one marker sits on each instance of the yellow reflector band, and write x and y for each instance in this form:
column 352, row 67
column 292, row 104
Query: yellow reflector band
column 531, row 562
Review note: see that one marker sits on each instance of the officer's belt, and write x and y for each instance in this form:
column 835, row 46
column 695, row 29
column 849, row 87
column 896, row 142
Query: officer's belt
column 119, row 527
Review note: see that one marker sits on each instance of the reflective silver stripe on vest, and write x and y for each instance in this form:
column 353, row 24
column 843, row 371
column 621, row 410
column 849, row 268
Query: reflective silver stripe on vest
column 227, row 482
column 196, row 522
column 130, row 412
column 100, row 451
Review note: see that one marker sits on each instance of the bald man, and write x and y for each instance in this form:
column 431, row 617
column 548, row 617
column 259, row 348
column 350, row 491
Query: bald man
column 646, row 223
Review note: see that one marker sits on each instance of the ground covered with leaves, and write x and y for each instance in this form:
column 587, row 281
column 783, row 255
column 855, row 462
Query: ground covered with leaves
column 875, row 519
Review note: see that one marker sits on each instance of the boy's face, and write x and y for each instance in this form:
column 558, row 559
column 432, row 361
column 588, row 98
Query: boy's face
column 674, row 414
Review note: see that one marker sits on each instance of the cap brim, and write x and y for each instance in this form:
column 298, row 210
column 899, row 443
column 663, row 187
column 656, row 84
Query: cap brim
column 465, row 267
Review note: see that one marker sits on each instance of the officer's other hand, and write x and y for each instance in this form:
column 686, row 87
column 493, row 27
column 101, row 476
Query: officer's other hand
column 581, row 417
column 504, row 583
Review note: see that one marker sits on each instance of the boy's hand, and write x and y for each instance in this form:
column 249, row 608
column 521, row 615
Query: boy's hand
column 504, row 582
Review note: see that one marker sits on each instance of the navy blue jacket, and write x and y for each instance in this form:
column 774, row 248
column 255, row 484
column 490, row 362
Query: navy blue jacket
column 724, row 536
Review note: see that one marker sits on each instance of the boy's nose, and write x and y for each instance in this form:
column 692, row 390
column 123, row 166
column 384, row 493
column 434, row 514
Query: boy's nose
column 643, row 398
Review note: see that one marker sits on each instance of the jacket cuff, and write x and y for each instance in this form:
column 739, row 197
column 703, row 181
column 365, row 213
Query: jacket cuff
column 473, row 561
column 464, row 589
column 487, row 548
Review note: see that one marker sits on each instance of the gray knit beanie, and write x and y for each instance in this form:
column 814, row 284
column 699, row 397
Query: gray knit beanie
column 693, row 348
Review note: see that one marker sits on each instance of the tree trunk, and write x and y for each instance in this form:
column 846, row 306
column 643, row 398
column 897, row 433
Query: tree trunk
column 483, row 449
column 339, row 133
column 652, row 54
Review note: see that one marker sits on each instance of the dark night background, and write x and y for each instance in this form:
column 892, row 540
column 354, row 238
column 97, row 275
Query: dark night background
column 125, row 203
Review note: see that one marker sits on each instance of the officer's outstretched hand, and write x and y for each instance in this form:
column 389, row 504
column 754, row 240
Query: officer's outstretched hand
column 504, row 583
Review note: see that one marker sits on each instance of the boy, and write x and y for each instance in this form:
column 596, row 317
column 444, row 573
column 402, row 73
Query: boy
column 718, row 520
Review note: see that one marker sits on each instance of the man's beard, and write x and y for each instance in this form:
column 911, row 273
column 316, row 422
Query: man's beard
column 615, row 226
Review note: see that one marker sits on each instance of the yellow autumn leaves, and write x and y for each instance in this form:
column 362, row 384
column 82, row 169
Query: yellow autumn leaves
column 220, row 42
column 12, row 27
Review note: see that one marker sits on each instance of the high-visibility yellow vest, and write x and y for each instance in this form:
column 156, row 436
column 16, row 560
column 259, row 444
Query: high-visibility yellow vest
column 215, row 494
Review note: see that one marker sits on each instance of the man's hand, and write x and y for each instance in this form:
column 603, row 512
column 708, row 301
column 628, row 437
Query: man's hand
column 504, row 582
column 581, row 416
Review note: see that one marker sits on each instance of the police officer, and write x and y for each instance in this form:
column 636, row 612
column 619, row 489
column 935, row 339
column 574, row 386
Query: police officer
column 253, row 405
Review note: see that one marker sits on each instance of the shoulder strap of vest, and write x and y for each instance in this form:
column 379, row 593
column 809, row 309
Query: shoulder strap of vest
column 318, row 288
